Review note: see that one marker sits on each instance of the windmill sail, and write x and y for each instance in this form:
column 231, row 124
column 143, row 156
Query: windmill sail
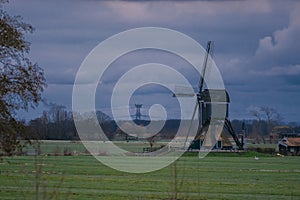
column 183, row 91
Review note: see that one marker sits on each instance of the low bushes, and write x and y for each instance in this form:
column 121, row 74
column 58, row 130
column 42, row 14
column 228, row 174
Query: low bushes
column 262, row 150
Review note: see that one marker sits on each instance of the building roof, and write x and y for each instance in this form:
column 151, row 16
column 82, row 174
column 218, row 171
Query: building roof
column 292, row 142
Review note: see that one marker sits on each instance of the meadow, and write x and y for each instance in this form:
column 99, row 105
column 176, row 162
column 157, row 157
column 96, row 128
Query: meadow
column 217, row 176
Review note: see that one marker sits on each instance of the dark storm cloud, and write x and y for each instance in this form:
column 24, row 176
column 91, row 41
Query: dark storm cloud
column 256, row 46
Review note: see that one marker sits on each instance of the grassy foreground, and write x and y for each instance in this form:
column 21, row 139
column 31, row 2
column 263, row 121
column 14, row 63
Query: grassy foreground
column 214, row 177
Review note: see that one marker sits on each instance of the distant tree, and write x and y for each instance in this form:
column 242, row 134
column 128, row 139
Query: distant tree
column 272, row 117
column 297, row 129
column 293, row 125
column 267, row 118
column 21, row 81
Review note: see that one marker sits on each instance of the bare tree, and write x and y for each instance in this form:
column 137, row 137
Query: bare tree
column 272, row 117
column 267, row 118
column 257, row 126
column 21, row 81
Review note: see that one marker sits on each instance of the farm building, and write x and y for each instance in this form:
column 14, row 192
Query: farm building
column 289, row 146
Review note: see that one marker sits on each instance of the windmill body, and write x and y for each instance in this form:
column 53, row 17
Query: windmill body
column 212, row 109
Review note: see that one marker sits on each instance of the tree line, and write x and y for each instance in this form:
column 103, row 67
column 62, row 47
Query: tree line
column 58, row 124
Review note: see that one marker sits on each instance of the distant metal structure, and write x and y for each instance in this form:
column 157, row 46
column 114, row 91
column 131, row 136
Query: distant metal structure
column 204, row 105
column 138, row 111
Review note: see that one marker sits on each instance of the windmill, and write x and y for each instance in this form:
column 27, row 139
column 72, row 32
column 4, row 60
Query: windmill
column 203, row 106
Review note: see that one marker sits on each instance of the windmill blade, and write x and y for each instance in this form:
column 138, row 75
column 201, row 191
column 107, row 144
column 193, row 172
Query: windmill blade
column 209, row 49
column 191, row 122
column 183, row 91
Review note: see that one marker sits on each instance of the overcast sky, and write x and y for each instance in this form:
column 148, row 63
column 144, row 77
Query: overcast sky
column 256, row 46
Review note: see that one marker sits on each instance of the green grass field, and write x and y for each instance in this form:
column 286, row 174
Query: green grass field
column 217, row 176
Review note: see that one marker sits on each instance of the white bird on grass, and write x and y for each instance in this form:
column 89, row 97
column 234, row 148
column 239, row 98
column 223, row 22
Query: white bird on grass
column 256, row 158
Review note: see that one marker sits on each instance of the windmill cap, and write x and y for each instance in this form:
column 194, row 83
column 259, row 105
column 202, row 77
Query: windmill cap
column 215, row 95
